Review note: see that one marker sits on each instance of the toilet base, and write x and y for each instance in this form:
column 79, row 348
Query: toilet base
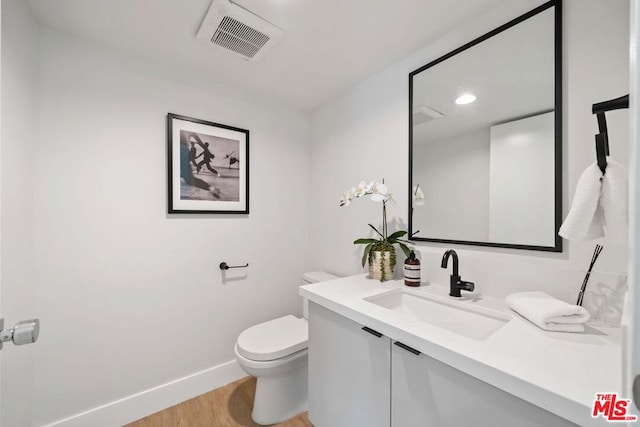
column 283, row 396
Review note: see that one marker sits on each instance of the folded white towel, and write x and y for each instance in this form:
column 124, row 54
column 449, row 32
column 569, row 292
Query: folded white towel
column 600, row 205
column 548, row 312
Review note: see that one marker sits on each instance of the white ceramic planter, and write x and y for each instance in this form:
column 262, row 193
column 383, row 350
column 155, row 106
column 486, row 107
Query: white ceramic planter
column 378, row 261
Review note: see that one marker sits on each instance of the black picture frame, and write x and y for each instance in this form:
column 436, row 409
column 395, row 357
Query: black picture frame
column 207, row 167
column 557, row 247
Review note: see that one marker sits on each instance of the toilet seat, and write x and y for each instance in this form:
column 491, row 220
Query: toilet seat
column 274, row 339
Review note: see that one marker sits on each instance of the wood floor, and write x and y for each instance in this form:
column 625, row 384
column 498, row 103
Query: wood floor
column 228, row 406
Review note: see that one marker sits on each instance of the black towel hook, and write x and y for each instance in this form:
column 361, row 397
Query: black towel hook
column 602, row 138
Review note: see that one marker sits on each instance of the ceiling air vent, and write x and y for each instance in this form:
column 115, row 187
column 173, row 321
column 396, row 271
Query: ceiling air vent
column 236, row 30
column 424, row 114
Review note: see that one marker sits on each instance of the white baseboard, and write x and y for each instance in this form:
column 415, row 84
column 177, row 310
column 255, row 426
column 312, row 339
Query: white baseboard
column 139, row 405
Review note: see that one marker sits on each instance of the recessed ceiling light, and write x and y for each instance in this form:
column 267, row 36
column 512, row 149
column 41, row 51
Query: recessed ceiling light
column 467, row 98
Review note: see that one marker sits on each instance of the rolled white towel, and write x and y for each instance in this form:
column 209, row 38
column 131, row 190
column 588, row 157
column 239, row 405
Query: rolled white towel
column 548, row 312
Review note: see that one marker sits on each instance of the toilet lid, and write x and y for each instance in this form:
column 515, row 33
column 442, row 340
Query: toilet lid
column 318, row 276
column 274, row 339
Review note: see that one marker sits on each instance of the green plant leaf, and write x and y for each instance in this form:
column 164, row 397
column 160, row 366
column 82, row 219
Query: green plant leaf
column 364, row 241
column 367, row 249
column 376, row 230
column 404, row 248
column 396, row 235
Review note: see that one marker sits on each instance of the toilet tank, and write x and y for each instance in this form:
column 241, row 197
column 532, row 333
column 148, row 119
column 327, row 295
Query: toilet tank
column 314, row 277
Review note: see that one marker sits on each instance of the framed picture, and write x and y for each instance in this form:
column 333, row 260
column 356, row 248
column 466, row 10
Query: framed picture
column 208, row 167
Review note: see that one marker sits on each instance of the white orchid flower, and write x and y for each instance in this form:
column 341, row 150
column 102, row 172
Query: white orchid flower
column 379, row 192
column 418, row 196
column 361, row 190
column 347, row 197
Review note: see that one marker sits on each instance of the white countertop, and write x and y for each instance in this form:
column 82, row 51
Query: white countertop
column 560, row 372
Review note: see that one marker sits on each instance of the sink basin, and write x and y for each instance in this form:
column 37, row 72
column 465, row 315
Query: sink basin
column 456, row 316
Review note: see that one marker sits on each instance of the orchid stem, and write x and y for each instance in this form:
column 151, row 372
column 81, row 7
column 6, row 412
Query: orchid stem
column 384, row 220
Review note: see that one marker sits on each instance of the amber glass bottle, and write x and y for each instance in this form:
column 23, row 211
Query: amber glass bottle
column 412, row 270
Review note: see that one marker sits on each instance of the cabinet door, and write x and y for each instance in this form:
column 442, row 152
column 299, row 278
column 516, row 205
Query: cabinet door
column 349, row 372
column 429, row 393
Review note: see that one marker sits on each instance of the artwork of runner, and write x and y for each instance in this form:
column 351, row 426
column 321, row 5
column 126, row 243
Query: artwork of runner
column 208, row 167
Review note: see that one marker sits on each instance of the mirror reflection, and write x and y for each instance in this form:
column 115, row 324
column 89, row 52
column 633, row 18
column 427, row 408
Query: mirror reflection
column 485, row 139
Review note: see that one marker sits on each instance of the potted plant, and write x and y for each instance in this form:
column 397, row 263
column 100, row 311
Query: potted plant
column 379, row 252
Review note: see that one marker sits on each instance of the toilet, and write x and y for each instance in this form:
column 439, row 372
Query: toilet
column 275, row 352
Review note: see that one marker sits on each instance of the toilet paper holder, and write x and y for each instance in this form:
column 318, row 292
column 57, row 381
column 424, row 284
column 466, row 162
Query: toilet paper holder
column 225, row 266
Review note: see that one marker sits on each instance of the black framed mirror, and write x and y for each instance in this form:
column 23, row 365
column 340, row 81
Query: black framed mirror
column 485, row 138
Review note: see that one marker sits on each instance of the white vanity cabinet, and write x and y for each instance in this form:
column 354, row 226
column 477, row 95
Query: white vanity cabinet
column 359, row 377
column 349, row 372
column 429, row 393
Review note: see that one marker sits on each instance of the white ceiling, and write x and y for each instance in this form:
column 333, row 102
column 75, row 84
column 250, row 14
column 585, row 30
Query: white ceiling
column 328, row 46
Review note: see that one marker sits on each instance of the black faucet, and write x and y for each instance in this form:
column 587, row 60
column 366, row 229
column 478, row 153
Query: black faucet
column 455, row 284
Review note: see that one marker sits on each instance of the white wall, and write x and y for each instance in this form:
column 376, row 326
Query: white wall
column 16, row 226
column 129, row 297
column 454, row 174
column 363, row 134
column 522, row 185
